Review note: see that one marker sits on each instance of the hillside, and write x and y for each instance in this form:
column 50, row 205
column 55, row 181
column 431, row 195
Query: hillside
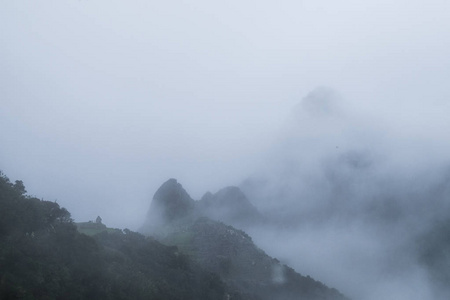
column 43, row 256
column 93, row 228
column 225, row 250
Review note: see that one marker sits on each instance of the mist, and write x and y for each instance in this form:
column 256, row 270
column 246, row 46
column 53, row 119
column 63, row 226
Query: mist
column 351, row 201
column 332, row 117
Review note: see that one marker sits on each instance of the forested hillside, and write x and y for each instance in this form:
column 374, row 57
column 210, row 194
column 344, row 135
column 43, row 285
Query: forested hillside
column 43, row 256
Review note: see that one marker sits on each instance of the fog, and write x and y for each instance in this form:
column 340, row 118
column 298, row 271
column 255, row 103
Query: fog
column 350, row 204
column 330, row 115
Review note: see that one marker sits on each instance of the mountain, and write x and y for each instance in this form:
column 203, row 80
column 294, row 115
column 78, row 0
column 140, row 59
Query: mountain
column 43, row 256
column 376, row 203
column 225, row 250
column 170, row 203
column 173, row 205
column 230, row 206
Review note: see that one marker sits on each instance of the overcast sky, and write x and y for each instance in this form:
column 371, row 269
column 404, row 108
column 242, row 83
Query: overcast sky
column 102, row 101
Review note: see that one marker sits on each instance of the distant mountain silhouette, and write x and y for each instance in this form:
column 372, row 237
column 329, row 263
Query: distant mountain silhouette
column 230, row 206
column 170, row 202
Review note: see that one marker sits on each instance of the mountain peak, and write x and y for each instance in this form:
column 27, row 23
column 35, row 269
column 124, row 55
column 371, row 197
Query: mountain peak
column 199, row 229
column 169, row 188
column 170, row 202
column 232, row 194
column 229, row 205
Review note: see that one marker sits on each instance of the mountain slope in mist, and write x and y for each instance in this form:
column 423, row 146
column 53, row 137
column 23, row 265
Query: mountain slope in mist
column 371, row 197
column 223, row 249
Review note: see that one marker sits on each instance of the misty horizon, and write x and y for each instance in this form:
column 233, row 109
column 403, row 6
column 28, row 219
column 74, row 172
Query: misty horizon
column 331, row 118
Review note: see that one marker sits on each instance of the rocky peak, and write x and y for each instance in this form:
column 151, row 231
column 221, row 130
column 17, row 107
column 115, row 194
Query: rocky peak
column 207, row 197
column 171, row 190
column 231, row 196
column 229, row 205
column 170, row 202
column 172, row 205
column 193, row 227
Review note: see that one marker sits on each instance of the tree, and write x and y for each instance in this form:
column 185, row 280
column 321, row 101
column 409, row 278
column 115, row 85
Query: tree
column 20, row 187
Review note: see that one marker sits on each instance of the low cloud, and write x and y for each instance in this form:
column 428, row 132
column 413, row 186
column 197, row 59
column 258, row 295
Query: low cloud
column 350, row 211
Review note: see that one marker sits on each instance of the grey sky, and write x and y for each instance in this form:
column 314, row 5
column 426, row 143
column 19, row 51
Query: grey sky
column 102, row 101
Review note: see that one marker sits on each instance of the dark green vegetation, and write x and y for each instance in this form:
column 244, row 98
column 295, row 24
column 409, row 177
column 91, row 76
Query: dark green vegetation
column 222, row 249
column 43, row 256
